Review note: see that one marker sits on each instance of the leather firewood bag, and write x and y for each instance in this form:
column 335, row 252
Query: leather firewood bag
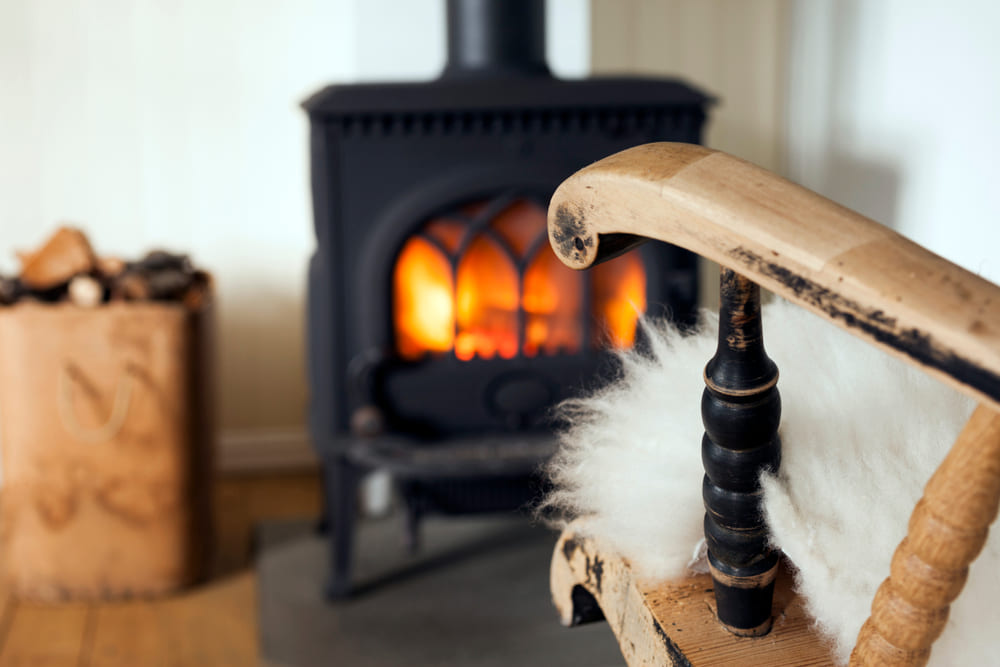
column 104, row 427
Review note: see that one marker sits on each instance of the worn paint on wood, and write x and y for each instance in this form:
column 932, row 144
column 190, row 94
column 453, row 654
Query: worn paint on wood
column 674, row 623
column 856, row 273
column 741, row 409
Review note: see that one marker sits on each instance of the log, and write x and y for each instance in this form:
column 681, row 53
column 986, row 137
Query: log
column 66, row 254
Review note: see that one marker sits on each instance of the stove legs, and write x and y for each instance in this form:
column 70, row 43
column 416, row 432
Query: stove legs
column 413, row 516
column 341, row 479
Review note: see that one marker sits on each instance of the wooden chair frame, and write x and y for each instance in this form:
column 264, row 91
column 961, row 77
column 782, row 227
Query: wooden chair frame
column 766, row 231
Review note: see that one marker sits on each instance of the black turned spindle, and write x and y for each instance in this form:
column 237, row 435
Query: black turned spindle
column 741, row 410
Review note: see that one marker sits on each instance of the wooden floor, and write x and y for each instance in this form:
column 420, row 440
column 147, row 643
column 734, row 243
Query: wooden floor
column 212, row 625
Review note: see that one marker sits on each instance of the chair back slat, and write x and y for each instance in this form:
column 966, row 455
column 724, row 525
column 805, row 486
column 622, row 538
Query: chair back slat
column 947, row 531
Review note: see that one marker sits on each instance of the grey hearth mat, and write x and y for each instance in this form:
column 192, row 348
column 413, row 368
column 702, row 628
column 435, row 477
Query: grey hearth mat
column 476, row 595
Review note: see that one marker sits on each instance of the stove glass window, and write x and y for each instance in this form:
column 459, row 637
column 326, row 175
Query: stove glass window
column 482, row 282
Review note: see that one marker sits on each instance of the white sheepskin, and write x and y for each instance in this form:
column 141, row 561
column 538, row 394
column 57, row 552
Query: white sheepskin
column 861, row 434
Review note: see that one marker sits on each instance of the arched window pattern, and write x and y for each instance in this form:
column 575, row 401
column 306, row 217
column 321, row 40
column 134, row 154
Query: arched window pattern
column 482, row 282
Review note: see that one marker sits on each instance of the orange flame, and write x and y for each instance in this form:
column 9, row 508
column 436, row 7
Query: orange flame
column 553, row 305
column 619, row 292
column 478, row 310
column 487, row 300
column 425, row 302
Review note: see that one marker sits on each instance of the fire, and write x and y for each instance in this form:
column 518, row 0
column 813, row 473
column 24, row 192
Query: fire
column 619, row 290
column 505, row 293
column 553, row 305
column 486, row 298
column 425, row 302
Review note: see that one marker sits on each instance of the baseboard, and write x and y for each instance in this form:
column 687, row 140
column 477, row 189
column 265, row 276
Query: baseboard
column 253, row 450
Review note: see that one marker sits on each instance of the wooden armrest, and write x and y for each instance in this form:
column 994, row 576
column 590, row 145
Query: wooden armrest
column 837, row 263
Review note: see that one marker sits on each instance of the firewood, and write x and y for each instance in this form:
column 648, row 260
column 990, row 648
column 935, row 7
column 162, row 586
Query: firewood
column 66, row 254
column 10, row 290
column 111, row 267
column 66, row 268
column 197, row 293
column 86, row 291
column 168, row 284
column 131, row 286
column 161, row 260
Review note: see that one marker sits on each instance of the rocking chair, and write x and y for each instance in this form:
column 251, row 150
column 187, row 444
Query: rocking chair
column 859, row 275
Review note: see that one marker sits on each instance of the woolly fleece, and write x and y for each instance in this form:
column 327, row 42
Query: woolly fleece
column 861, row 434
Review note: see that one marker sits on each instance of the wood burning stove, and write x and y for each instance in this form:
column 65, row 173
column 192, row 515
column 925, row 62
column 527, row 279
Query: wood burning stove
column 441, row 326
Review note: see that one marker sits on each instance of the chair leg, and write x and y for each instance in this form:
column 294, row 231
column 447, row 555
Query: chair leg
column 741, row 410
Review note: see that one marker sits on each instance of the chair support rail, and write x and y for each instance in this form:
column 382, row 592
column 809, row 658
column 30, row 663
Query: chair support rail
column 741, row 409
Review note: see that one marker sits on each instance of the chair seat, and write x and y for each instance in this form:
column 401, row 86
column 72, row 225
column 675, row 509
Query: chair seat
column 674, row 623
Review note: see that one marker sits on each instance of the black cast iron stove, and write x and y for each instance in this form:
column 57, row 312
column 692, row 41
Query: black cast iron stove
column 441, row 326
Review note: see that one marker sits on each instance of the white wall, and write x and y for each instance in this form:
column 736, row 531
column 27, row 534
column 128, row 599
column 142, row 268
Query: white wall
column 894, row 110
column 735, row 50
column 176, row 123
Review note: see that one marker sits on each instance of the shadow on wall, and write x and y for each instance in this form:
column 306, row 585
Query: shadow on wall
column 260, row 331
column 864, row 177
column 867, row 186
